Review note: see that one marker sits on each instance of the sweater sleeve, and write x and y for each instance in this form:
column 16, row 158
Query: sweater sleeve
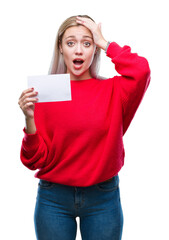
column 133, row 80
column 34, row 151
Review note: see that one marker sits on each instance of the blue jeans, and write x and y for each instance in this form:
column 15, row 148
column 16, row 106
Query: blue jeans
column 98, row 208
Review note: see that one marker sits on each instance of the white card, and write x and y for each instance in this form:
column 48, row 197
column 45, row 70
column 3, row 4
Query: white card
column 51, row 88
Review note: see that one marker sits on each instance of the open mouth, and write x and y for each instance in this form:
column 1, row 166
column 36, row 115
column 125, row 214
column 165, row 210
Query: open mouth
column 78, row 62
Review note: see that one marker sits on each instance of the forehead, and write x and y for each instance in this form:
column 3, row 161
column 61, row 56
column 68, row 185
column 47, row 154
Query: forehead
column 77, row 31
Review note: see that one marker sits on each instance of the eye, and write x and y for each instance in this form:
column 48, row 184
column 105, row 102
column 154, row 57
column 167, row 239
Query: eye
column 70, row 43
column 87, row 44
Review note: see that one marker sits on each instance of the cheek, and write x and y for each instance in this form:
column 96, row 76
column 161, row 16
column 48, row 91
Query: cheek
column 90, row 57
column 67, row 55
column 66, row 58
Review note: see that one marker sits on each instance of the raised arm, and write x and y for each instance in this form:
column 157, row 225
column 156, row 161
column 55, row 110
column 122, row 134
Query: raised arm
column 134, row 79
column 134, row 71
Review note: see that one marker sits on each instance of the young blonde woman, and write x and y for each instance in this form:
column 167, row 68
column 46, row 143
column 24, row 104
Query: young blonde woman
column 77, row 145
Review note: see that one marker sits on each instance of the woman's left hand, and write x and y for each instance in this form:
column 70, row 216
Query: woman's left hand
column 95, row 30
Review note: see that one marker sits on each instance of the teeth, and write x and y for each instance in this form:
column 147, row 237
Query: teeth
column 78, row 61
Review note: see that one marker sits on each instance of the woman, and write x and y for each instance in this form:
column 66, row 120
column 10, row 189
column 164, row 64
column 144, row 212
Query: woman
column 77, row 145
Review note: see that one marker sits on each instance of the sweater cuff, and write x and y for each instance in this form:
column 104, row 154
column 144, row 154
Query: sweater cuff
column 31, row 140
column 113, row 50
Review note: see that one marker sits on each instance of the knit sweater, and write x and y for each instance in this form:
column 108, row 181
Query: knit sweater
column 80, row 142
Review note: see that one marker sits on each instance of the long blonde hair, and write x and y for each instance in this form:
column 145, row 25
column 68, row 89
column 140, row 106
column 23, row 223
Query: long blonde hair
column 57, row 65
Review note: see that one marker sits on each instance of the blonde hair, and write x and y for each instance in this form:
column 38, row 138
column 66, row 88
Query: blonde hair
column 57, row 65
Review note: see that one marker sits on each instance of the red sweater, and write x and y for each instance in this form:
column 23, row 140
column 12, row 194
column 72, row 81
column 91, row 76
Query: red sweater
column 80, row 142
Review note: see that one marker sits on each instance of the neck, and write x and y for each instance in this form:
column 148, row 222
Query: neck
column 84, row 76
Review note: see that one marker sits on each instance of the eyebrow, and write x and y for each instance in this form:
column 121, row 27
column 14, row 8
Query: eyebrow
column 73, row 36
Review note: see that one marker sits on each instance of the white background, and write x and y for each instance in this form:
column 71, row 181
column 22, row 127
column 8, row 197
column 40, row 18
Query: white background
column 28, row 30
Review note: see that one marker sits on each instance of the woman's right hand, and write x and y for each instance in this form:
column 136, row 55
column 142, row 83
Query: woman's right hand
column 27, row 102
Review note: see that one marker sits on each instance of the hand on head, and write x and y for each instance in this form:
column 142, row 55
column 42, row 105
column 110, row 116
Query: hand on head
column 95, row 29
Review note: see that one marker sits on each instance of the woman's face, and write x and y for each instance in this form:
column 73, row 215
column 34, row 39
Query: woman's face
column 78, row 50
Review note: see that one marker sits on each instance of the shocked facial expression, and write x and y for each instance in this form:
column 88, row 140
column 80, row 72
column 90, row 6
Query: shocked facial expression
column 78, row 51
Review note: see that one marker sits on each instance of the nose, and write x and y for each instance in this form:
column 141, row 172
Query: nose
column 78, row 49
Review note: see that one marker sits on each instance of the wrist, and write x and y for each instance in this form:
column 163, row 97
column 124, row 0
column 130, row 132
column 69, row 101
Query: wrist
column 29, row 118
column 103, row 44
column 30, row 126
column 108, row 43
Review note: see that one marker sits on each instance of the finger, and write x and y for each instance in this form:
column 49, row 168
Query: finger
column 85, row 21
column 27, row 105
column 26, row 91
column 31, row 94
column 27, row 95
column 80, row 21
column 80, row 18
column 27, row 100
